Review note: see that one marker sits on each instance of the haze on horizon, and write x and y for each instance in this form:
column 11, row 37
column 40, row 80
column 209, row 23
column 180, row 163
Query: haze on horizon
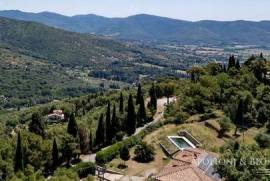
column 192, row 10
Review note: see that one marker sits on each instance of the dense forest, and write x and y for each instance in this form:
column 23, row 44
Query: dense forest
column 105, row 123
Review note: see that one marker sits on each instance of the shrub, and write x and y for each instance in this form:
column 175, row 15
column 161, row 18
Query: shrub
column 90, row 178
column 225, row 126
column 108, row 154
column 144, row 153
column 124, row 153
column 83, row 169
column 64, row 174
column 180, row 118
column 111, row 152
column 263, row 140
column 207, row 116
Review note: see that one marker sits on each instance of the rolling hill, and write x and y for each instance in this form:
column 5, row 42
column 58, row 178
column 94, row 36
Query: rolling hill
column 46, row 63
column 40, row 63
column 154, row 28
column 57, row 45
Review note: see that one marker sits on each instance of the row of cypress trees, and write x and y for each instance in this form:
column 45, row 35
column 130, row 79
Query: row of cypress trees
column 233, row 63
column 108, row 129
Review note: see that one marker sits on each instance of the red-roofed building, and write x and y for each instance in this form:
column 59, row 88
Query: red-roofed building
column 56, row 116
column 188, row 165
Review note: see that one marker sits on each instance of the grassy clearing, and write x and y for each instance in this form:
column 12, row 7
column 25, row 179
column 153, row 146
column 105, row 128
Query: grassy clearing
column 246, row 136
column 140, row 169
column 207, row 136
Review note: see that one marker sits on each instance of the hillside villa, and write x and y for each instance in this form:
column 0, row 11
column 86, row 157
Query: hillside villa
column 188, row 161
column 56, row 116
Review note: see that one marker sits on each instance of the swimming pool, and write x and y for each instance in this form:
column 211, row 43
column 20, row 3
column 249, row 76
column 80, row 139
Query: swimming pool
column 181, row 142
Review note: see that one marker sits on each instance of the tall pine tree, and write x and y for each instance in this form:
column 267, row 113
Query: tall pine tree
column 153, row 97
column 239, row 115
column 90, row 141
column 232, row 62
column 55, row 154
column 72, row 126
column 100, row 133
column 261, row 55
column 139, row 94
column 131, row 117
column 121, row 103
column 109, row 131
column 141, row 112
column 115, row 122
column 237, row 64
column 124, row 153
column 224, row 68
column 83, row 140
column 18, row 159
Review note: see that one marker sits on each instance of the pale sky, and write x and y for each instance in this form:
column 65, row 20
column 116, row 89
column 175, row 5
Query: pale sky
column 179, row 9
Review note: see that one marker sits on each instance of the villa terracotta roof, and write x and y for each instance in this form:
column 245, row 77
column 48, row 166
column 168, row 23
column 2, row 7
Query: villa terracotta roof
column 189, row 155
column 182, row 173
column 185, row 167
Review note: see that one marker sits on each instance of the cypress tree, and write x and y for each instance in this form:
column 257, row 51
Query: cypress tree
column 124, row 153
column 236, row 146
column 153, row 97
column 231, row 62
column 72, row 126
column 224, row 68
column 237, row 65
column 121, row 103
column 90, row 141
column 115, row 124
column 131, row 119
column 141, row 112
column 100, row 133
column 239, row 115
column 168, row 91
column 83, row 140
column 108, row 125
column 55, row 154
column 139, row 94
column 261, row 55
column 18, row 159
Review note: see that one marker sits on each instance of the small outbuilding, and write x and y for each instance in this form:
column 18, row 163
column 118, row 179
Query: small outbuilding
column 56, row 116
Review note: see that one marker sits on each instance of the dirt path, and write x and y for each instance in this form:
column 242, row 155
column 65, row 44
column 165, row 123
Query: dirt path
column 161, row 103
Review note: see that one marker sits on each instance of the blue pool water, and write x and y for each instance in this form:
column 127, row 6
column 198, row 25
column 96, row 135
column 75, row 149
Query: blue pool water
column 180, row 142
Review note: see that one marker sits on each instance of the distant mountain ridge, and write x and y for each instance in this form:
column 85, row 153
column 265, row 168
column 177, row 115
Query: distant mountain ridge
column 155, row 28
column 56, row 45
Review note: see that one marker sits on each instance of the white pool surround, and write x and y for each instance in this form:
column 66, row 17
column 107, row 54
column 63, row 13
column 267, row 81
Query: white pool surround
column 181, row 137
